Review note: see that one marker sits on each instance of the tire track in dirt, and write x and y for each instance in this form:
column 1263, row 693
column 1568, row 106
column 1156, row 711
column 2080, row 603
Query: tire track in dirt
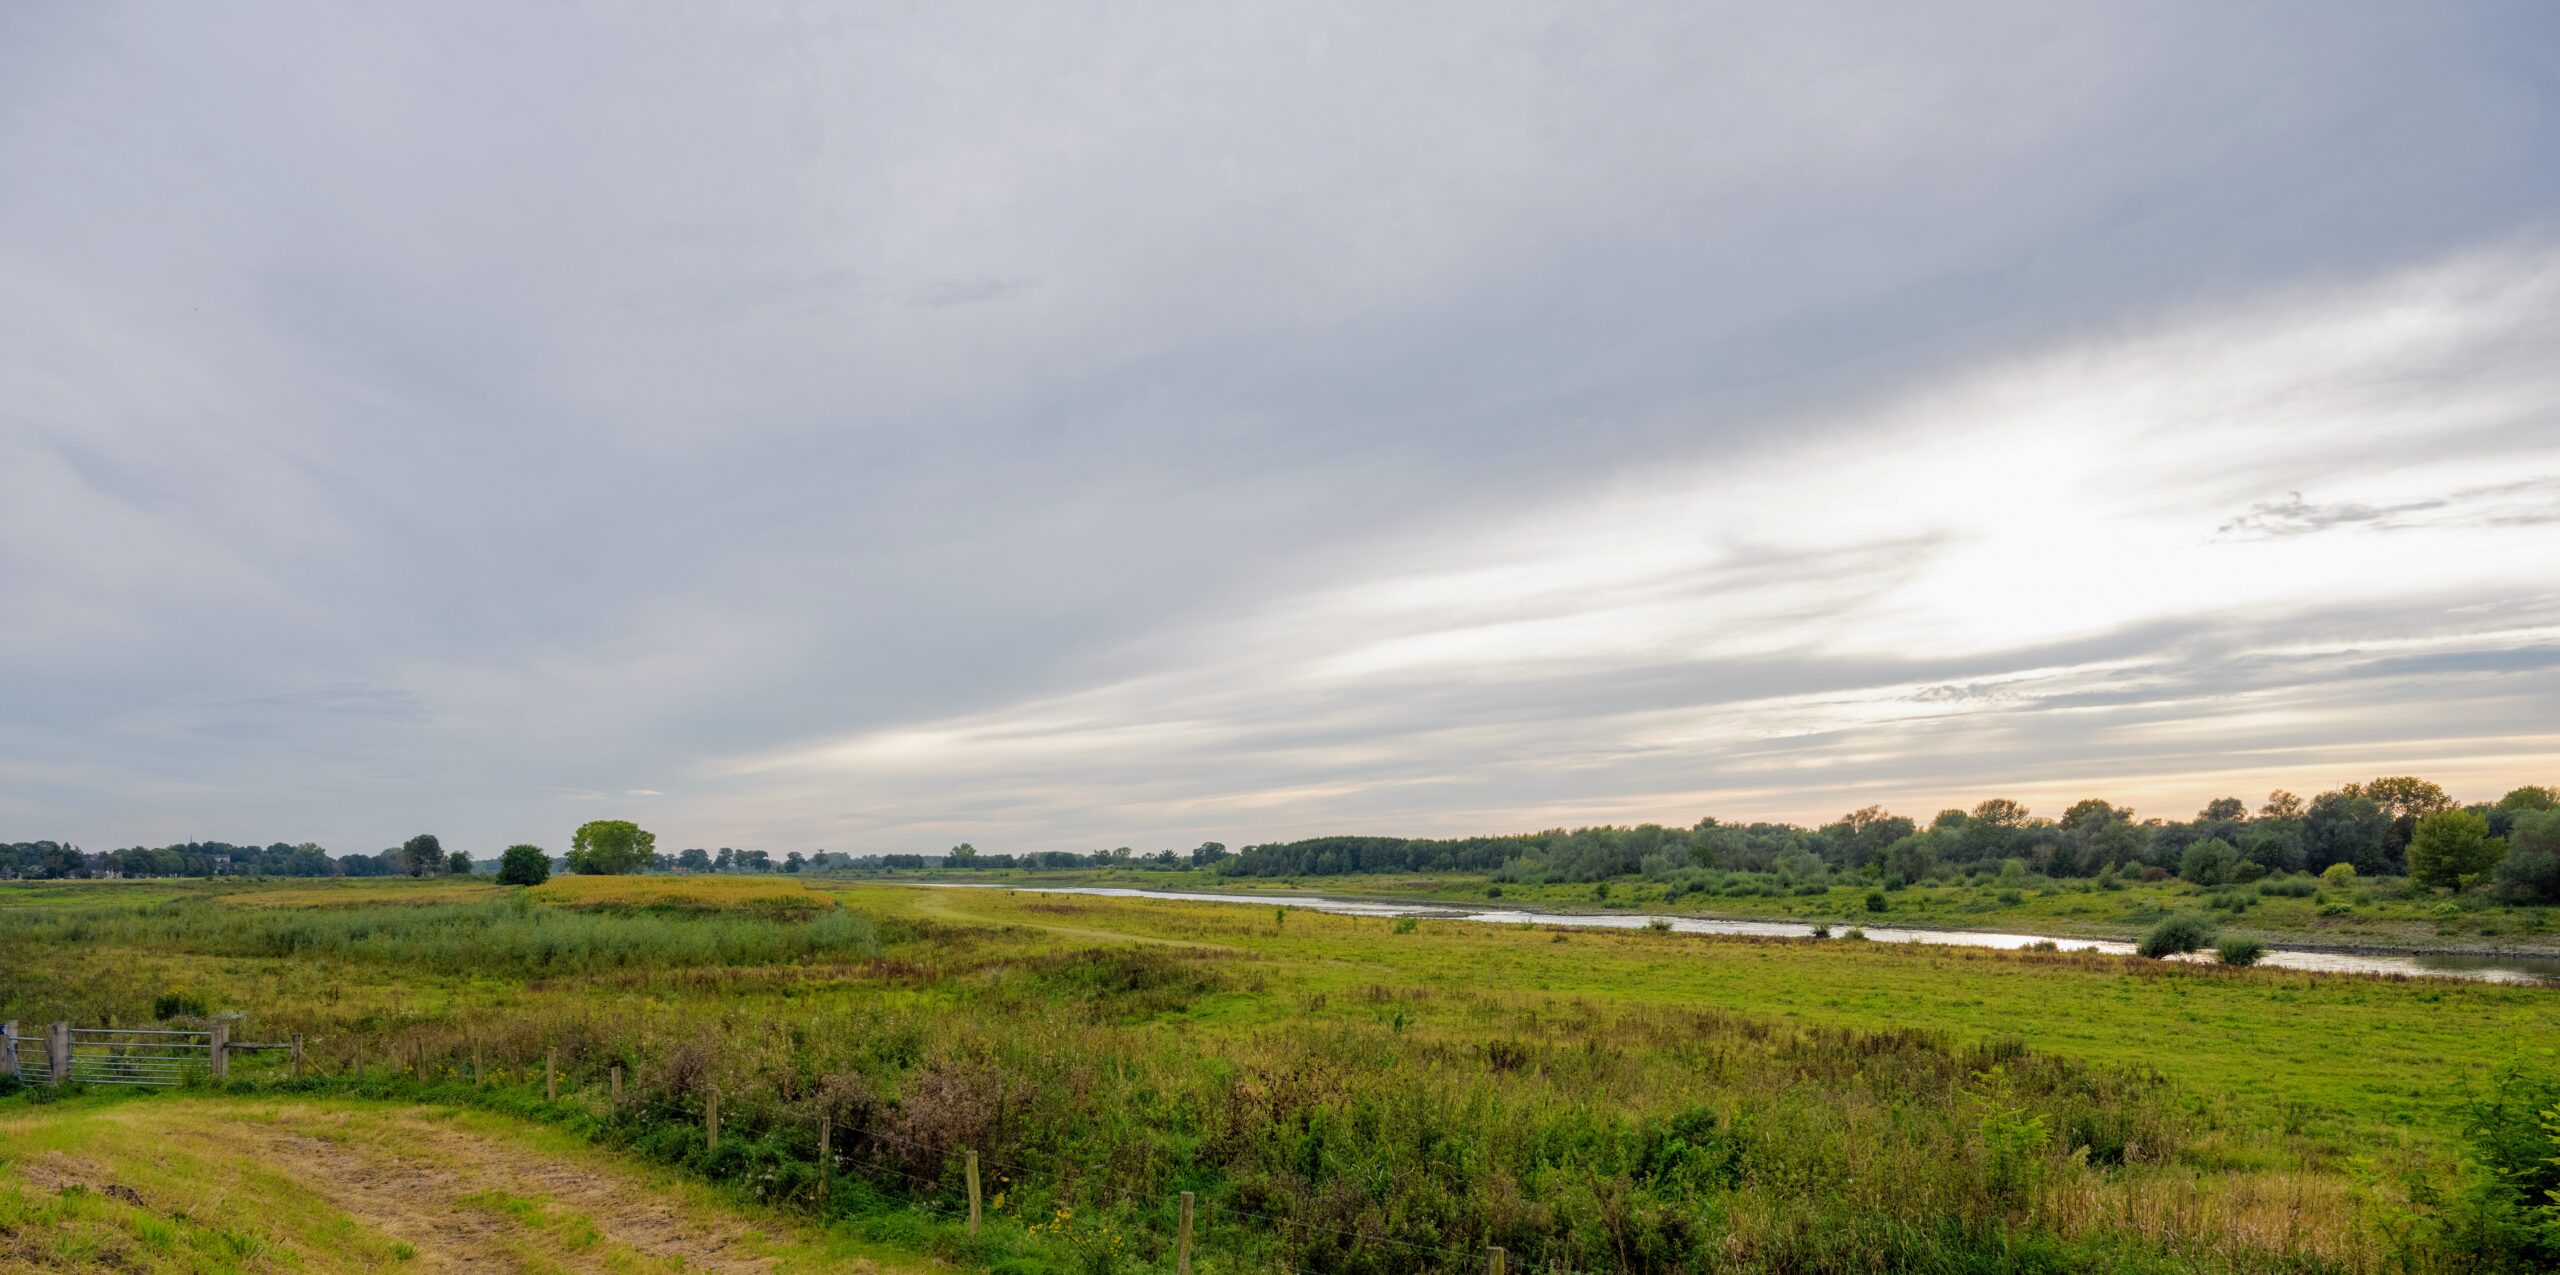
column 412, row 1187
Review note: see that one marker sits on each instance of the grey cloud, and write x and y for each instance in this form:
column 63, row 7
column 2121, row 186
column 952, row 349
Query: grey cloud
column 527, row 405
column 2525, row 503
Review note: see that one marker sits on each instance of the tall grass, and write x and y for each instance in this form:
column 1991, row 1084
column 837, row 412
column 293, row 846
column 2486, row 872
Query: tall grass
column 500, row 936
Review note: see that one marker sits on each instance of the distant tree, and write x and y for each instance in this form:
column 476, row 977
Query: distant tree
column 694, row 860
column 2405, row 799
column 2451, row 848
column 2403, row 796
column 458, row 863
column 1856, row 838
column 1910, row 859
column 792, row 862
column 524, row 865
column 2530, row 874
column 2275, row 843
column 2531, row 797
column 1207, row 853
column 721, row 861
column 2343, row 827
column 2224, row 810
column 422, row 855
column 2281, row 805
column 2208, row 862
column 610, row 847
column 962, row 855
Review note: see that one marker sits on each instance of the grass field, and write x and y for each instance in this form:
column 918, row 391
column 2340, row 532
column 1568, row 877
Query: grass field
column 320, row 1184
column 1356, row 1094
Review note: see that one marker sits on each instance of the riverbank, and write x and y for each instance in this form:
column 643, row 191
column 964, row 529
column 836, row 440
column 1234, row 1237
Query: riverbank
column 2375, row 917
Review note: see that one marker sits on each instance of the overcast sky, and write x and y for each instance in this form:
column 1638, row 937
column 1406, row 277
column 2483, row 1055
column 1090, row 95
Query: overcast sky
column 1058, row 427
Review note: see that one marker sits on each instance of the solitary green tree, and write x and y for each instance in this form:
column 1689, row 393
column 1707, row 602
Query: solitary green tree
column 610, row 847
column 524, row 865
column 422, row 854
column 458, row 863
column 2450, row 846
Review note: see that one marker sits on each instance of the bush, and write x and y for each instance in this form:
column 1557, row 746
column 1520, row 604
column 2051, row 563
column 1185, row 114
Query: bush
column 2338, row 873
column 2239, row 951
column 2185, row 932
column 2503, row 1218
column 1406, row 925
column 177, row 1004
column 524, row 865
column 1875, row 901
column 2530, row 874
column 2208, row 862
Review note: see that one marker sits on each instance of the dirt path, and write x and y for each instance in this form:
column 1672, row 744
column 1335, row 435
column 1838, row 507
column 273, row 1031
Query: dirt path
column 460, row 1198
column 337, row 1185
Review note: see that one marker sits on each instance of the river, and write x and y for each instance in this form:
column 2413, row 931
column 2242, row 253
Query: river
column 2493, row 969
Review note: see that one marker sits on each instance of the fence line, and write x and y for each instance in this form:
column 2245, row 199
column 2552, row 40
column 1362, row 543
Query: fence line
column 161, row 1057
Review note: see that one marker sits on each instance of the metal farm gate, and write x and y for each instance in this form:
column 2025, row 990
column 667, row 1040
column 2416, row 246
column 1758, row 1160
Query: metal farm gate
column 121, row 1055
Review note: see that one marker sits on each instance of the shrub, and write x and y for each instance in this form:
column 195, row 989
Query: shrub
column 177, row 1004
column 524, row 865
column 2185, row 932
column 2297, row 886
column 2503, row 1217
column 2208, row 862
column 2154, row 874
column 2239, row 951
column 1875, row 901
column 2338, row 873
column 2530, row 874
column 1854, row 935
column 1406, row 925
column 1822, row 929
column 1659, row 924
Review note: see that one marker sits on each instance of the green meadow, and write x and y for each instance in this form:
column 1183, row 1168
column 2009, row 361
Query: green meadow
column 1367, row 1094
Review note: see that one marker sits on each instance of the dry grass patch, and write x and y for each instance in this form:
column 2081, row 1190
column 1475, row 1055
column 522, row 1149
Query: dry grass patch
column 776, row 897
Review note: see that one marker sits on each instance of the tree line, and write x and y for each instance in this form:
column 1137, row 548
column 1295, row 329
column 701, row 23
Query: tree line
column 2397, row 825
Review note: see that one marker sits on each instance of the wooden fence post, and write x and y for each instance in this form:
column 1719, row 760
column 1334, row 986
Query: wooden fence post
column 826, row 1154
column 973, row 1194
column 711, row 1119
column 1182, row 1240
column 1494, row 1259
column 9, row 1048
column 219, row 1049
column 617, row 1086
column 551, row 1076
column 475, row 1062
column 57, row 1053
column 297, row 1055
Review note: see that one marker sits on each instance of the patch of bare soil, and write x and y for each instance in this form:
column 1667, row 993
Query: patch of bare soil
column 412, row 1188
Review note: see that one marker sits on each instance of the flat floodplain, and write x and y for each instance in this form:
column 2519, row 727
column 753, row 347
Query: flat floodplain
column 1345, row 1093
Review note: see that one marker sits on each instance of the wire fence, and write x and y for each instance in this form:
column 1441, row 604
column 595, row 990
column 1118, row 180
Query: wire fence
column 856, row 1151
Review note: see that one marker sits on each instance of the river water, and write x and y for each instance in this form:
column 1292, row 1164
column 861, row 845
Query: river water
column 2493, row 969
